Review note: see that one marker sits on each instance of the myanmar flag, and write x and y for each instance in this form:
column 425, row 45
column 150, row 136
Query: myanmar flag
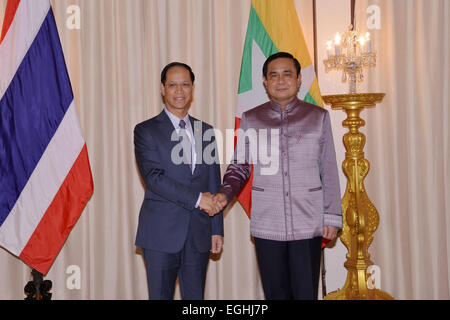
column 273, row 27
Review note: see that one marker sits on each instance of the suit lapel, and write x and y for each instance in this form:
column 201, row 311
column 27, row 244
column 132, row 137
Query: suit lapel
column 167, row 129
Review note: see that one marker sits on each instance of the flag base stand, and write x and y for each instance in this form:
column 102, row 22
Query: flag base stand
column 360, row 217
column 38, row 288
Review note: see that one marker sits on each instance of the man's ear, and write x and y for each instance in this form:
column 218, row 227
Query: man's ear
column 192, row 95
column 163, row 90
column 299, row 80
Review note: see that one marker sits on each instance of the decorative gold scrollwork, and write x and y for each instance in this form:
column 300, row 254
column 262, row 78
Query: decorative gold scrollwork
column 360, row 218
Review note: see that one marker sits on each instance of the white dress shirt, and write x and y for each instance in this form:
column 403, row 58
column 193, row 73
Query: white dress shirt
column 190, row 132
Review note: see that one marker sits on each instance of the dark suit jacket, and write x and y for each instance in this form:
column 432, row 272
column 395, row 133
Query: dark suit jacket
column 171, row 192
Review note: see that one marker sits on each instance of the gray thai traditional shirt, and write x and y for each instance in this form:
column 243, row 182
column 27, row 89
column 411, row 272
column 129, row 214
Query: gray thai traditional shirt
column 295, row 178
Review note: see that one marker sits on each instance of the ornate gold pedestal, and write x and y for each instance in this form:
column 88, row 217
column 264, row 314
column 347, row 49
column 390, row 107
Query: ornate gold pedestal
column 360, row 217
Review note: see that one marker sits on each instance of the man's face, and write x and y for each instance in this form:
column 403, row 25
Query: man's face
column 177, row 90
column 282, row 83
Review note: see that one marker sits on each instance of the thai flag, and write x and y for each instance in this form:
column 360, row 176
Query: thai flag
column 45, row 176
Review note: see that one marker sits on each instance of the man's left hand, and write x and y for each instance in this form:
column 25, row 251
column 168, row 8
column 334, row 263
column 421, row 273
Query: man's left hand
column 330, row 233
column 216, row 244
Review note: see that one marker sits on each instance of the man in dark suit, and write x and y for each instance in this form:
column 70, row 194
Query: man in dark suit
column 178, row 226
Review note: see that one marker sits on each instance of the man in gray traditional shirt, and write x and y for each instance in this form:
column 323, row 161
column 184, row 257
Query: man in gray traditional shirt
column 299, row 203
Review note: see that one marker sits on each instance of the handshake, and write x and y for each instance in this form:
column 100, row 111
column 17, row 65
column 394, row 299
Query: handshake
column 212, row 204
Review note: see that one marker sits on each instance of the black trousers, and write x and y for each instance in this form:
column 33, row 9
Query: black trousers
column 289, row 269
column 189, row 265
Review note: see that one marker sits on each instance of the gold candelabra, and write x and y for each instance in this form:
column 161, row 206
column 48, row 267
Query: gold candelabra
column 352, row 52
column 360, row 217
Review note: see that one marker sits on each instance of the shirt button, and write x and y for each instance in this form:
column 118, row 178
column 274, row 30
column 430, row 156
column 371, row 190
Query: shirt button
column 285, row 174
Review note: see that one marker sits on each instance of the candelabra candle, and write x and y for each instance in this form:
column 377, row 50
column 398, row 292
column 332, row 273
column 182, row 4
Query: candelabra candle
column 352, row 52
column 369, row 43
column 337, row 44
column 329, row 48
column 362, row 41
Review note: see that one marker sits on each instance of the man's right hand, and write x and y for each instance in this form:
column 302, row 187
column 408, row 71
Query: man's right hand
column 221, row 200
column 208, row 204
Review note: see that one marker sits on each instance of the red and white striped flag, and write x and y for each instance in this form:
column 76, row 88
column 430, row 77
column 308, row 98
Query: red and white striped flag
column 45, row 175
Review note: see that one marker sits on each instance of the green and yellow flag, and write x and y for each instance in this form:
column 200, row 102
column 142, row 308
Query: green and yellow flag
column 273, row 27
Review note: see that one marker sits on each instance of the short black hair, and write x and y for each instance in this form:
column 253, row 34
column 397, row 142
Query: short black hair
column 176, row 64
column 279, row 55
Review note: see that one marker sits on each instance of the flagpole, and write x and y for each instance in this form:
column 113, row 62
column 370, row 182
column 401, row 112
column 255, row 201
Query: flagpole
column 324, row 271
column 315, row 38
column 322, row 253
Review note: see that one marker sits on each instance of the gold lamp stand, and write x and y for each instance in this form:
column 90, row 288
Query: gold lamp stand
column 360, row 217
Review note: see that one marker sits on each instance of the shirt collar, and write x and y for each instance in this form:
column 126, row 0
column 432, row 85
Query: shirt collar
column 288, row 107
column 176, row 121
